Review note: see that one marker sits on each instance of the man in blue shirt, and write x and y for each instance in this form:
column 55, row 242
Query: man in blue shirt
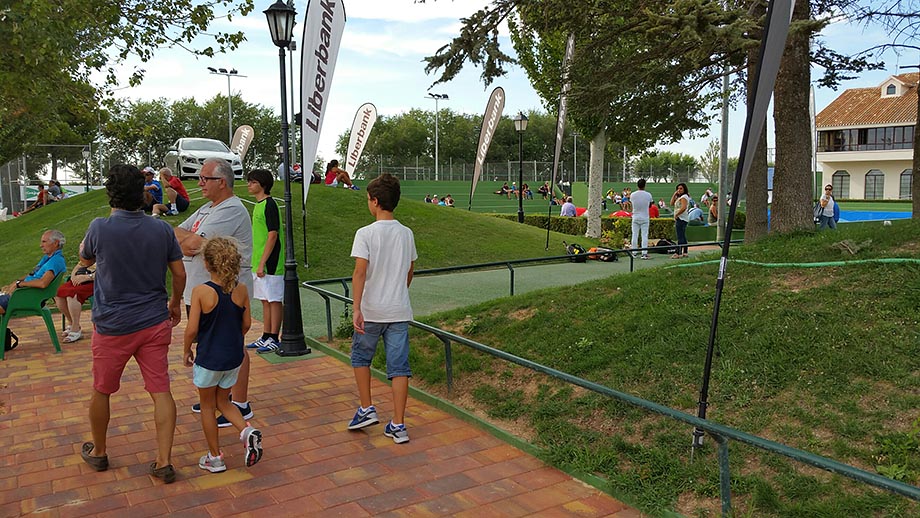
column 153, row 191
column 48, row 267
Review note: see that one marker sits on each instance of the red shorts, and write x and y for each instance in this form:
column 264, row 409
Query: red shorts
column 80, row 291
column 149, row 347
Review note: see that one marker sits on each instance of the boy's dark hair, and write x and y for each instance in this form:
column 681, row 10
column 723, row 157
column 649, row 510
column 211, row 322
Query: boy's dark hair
column 641, row 183
column 386, row 189
column 125, row 187
column 263, row 178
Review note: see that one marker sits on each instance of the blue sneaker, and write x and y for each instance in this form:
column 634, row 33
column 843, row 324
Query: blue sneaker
column 397, row 432
column 246, row 411
column 362, row 419
column 269, row 346
column 255, row 345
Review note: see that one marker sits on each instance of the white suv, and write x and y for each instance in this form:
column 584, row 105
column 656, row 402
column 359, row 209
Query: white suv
column 188, row 154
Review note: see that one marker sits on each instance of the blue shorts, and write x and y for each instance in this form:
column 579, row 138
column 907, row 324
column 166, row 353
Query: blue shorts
column 4, row 301
column 395, row 344
column 206, row 378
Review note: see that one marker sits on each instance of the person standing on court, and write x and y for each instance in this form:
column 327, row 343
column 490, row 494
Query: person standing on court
column 131, row 315
column 223, row 215
column 641, row 200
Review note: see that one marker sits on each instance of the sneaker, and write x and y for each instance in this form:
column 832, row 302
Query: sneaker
column 397, row 432
column 355, row 188
column 252, row 438
column 212, row 464
column 258, row 343
column 367, row 418
column 645, row 257
column 197, row 407
column 246, row 411
column 167, row 473
column 270, row 346
column 173, row 212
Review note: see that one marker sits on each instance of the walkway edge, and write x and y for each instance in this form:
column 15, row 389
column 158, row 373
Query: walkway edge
column 599, row 483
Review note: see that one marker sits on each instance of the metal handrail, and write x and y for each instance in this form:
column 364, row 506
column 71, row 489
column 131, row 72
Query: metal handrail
column 720, row 433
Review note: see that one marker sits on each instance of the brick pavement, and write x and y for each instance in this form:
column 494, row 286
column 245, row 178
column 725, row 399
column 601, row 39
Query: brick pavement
column 311, row 465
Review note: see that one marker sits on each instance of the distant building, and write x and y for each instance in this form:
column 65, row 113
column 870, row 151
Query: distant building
column 865, row 140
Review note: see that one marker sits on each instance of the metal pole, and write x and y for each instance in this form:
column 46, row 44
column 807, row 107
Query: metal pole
column 575, row 157
column 721, row 225
column 292, row 47
column 229, row 114
column 436, row 139
column 520, row 193
column 292, row 339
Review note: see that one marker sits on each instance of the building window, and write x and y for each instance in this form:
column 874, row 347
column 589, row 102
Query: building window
column 905, row 191
column 891, row 90
column 866, row 139
column 841, row 183
column 875, row 185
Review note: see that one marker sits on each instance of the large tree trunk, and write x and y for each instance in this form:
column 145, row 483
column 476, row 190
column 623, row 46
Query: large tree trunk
column 792, row 179
column 756, row 183
column 596, row 184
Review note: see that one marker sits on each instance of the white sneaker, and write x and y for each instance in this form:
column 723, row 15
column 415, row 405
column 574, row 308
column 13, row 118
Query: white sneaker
column 212, row 464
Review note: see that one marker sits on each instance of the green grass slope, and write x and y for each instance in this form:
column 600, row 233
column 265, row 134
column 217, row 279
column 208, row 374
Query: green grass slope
column 823, row 359
column 444, row 236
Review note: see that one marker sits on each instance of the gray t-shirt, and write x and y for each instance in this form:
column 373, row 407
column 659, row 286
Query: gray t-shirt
column 230, row 219
column 132, row 252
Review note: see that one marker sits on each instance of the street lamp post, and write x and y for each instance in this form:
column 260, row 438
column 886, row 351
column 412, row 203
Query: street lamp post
column 228, row 73
column 520, row 124
column 86, row 165
column 281, row 24
column 436, row 97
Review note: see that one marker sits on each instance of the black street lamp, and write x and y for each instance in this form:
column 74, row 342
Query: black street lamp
column 86, row 165
column 520, row 124
column 281, row 24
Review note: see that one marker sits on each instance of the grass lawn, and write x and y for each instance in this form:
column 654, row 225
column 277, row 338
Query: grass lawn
column 823, row 359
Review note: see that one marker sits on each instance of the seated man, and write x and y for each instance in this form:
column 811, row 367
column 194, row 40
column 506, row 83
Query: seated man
column 49, row 266
column 153, row 192
column 544, row 190
column 175, row 192
column 55, row 193
column 568, row 208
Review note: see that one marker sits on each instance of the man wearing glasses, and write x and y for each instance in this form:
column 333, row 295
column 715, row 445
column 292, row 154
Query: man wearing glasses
column 223, row 215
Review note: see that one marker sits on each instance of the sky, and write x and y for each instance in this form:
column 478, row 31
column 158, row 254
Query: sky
column 380, row 61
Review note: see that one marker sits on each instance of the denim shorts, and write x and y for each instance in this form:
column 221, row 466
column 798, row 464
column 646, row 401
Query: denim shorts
column 206, row 378
column 395, row 344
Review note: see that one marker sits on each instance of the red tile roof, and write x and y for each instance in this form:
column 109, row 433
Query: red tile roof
column 867, row 107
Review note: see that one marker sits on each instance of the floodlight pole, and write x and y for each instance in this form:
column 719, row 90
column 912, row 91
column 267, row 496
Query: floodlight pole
column 228, row 73
column 436, row 98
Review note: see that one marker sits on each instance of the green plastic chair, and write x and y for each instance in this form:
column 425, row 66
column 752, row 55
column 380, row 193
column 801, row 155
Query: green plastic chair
column 28, row 302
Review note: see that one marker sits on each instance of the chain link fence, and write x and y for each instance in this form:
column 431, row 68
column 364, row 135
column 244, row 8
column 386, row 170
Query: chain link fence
column 534, row 172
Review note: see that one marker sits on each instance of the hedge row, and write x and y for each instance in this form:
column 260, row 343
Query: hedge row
column 611, row 227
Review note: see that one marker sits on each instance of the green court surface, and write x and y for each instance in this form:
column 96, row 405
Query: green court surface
column 434, row 293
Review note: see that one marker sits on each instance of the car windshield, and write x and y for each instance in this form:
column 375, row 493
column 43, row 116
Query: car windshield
column 200, row 144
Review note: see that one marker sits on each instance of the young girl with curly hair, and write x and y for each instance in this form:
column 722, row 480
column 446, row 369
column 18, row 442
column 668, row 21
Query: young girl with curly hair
column 219, row 318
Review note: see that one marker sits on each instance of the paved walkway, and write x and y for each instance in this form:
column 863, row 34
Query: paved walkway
column 312, row 465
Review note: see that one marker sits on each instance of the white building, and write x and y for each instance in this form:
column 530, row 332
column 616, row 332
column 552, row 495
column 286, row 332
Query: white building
column 865, row 140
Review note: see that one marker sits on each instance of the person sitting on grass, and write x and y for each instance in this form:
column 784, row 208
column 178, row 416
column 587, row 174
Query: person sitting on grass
column 40, row 200
column 336, row 176
column 175, row 193
column 503, row 190
column 544, row 190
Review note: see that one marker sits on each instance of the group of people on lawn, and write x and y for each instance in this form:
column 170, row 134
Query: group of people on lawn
column 217, row 259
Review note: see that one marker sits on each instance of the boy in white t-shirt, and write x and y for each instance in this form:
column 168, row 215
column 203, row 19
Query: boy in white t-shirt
column 385, row 255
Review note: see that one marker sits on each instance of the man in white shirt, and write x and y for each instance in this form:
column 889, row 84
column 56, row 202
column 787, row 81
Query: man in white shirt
column 641, row 200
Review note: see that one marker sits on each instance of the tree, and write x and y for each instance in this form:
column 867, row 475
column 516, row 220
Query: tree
column 709, row 162
column 52, row 46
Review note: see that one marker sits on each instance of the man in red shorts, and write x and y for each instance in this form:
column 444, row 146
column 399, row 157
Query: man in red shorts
column 131, row 315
